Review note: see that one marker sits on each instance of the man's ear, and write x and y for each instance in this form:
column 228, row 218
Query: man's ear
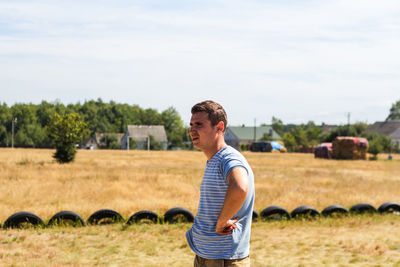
column 221, row 126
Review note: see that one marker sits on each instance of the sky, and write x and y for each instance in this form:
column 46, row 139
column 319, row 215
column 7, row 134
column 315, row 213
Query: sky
column 299, row 61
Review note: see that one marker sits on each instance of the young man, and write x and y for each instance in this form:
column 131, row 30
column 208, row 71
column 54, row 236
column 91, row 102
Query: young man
column 220, row 235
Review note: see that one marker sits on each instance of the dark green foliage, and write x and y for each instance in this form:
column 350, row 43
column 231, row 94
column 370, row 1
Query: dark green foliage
column 110, row 141
column 154, row 145
column 266, row 137
column 302, row 135
column 65, row 153
column 278, row 126
column 101, row 118
column 356, row 130
column 66, row 132
column 132, row 143
column 394, row 111
column 173, row 126
column 375, row 147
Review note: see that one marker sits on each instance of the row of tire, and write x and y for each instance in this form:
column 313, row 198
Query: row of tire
column 179, row 214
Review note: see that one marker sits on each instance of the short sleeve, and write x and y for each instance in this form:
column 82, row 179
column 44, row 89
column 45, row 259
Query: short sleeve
column 229, row 162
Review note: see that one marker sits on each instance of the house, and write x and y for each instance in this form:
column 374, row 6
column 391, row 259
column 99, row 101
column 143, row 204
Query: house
column 235, row 136
column 390, row 128
column 141, row 136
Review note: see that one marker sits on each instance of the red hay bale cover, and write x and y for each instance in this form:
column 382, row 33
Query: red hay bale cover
column 344, row 147
column 323, row 150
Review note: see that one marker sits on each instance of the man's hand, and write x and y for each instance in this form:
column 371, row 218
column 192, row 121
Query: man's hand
column 227, row 227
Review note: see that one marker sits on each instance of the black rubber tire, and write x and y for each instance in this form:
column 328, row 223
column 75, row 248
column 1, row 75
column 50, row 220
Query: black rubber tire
column 334, row 210
column 171, row 214
column 108, row 216
column 389, row 207
column 362, row 208
column 275, row 213
column 254, row 216
column 304, row 212
column 17, row 219
column 147, row 215
column 66, row 215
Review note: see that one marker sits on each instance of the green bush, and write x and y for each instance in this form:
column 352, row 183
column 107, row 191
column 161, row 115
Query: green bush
column 66, row 132
column 375, row 147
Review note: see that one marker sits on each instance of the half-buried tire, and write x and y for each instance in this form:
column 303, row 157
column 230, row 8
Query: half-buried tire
column 105, row 216
column 66, row 217
column 23, row 219
column 143, row 216
column 361, row 208
column 275, row 213
column 177, row 215
column 389, row 207
column 305, row 212
column 334, row 211
column 254, row 216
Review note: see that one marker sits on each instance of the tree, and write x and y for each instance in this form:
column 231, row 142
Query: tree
column 154, row 145
column 278, row 126
column 289, row 141
column 375, row 147
column 173, row 126
column 111, row 142
column 66, row 132
column 356, row 130
column 394, row 112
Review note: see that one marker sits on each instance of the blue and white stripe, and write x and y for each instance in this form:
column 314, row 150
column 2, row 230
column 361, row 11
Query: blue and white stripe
column 202, row 237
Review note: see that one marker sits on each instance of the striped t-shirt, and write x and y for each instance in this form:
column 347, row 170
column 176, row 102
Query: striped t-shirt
column 202, row 238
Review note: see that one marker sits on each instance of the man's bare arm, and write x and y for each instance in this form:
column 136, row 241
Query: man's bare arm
column 238, row 186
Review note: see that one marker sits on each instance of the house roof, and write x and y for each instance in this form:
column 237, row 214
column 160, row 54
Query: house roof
column 395, row 134
column 141, row 132
column 388, row 128
column 247, row 133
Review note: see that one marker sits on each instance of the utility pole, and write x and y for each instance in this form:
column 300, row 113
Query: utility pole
column 348, row 123
column 148, row 143
column 255, row 130
column 14, row 121
column 127, row 139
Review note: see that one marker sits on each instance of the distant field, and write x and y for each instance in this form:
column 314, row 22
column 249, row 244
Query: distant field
column 128, row 182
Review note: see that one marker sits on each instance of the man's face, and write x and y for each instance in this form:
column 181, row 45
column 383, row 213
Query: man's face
column 203, row 134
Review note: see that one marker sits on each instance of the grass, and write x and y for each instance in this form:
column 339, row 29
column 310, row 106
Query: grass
column 128, row 182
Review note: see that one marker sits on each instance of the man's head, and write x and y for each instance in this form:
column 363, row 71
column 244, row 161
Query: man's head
column 207, row 127
column 215, row 111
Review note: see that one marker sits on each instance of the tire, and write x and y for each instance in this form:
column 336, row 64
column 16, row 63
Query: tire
column 254, row 216
column 275, row 213
column 66, row 217
column 146, row 215
column 362, row 208
column 178, row 214
column 105, row 216
column 389, row 207
column 17, row 220
column 334, row 210
column 304, row 212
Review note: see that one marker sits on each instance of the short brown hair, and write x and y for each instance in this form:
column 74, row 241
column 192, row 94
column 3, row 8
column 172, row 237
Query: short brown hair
column 215, row 111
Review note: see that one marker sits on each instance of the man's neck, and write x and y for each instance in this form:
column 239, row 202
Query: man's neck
column 214, row 150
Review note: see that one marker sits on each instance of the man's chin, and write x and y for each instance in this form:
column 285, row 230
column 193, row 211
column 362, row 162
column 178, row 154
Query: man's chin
column 196, row 145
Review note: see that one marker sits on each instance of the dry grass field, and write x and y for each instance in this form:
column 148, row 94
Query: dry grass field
column 128, row 182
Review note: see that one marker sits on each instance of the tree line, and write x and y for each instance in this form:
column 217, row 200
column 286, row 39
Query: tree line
column 305, row 135
column 31, row 120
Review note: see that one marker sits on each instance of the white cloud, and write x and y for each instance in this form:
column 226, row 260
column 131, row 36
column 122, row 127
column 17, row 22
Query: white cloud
column 297, row 60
